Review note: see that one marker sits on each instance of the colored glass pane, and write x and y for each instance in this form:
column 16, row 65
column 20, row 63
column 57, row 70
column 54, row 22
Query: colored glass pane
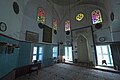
column 67, row 25
column 96, row 17
column 41, row 15
column 79, row 16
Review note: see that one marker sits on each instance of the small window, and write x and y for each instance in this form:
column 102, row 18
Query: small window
column 34, row 54
column 67, row 25
column 40, row 53
column 35, row 50
column 34, row 57
column 55, row 52
column 79, row 16
column 104, row 55
column 96, row 16
column 40, row 50
column 37, row 54
column 41, row 15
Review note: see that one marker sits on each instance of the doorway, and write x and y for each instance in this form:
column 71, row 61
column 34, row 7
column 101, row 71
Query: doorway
column 68, row 54
column 104, row 55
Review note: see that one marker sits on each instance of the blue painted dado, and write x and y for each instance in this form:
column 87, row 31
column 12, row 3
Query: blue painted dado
column 8, row 61
column 20, row 57
column 47, row 56
column 23, row 55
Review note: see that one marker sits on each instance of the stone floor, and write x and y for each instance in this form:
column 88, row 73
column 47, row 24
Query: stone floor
column 70, row 72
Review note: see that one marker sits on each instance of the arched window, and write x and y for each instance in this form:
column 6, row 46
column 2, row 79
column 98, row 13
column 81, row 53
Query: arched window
column 67, row 25
column 79, row 16
column 96, row 16
column 41, row 15
column 54, row 24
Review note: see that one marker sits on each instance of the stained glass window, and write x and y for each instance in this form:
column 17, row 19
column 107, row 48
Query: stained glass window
column 54, row 24
column 67, row 25
column 41, row 15
column 96, row 16
column 79, row 16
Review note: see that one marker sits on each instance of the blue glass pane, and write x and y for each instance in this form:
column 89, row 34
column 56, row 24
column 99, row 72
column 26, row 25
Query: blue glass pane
column 40, row 50
column 40, row 57
column 55, row 51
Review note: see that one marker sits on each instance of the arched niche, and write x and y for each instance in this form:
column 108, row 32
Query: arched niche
column 82, row 49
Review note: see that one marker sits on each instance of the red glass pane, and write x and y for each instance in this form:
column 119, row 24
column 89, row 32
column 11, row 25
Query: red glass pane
column 40, row 12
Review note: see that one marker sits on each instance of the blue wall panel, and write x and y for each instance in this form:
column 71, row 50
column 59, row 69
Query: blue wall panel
column 8, row 61
column 24, row 54
column 21, row 55
column 47, row 56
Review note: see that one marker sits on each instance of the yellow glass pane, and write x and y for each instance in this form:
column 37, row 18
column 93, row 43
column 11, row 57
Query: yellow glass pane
column 79, row 17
